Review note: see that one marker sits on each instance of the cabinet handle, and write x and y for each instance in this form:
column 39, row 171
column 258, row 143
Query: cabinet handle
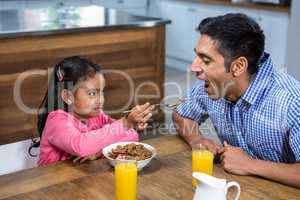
column 120, row 1
column 60, row 4
column 191, row 9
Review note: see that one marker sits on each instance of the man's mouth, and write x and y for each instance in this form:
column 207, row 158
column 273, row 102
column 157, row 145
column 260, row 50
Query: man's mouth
column 206, row 83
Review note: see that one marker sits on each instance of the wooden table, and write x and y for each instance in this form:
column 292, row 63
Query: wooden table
column 168, row 177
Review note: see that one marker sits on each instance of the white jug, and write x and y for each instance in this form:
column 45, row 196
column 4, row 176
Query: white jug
column 213, row 188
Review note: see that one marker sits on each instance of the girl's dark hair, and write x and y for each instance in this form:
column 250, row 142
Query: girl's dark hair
column 237, row 35
column 66, row 74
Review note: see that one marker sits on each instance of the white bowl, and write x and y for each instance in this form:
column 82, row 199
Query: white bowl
column 140, row 164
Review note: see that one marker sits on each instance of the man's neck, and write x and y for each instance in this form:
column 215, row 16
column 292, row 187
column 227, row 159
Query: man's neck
column 239, row 88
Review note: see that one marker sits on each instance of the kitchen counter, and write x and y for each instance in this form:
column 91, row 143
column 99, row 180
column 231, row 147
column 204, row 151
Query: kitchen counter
column 63, row 19
column 130, row 50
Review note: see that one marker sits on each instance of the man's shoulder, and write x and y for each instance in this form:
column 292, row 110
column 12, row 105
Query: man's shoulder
column 287, row 85
column 285, row 90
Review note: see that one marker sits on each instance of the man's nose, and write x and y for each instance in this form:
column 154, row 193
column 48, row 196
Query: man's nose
column 196, row 66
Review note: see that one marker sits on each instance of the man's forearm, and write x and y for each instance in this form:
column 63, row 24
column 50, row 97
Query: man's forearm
column 288, row 174
column 186, row 128
column 189, row 131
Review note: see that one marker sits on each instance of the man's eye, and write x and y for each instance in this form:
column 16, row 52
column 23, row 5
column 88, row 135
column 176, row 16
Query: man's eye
column 206, row 61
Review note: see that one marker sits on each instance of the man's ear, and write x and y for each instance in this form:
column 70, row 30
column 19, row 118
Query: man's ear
column 67, row 96
column 239, row 66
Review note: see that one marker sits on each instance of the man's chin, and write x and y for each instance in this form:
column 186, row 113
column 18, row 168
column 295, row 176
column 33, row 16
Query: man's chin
column 213, row 96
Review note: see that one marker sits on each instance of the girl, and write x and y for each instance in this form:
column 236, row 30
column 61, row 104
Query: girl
column 72, row 123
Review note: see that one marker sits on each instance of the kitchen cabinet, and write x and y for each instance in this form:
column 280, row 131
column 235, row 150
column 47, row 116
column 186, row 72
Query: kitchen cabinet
column 12, row 4
column 195, row 14
column 74, row 2
column 181, row 34
column 39, row 4
column 36, row 4
column 122, row 3
column 176, row 31
column 136, row 11
column 136, row 7
column 275, row 27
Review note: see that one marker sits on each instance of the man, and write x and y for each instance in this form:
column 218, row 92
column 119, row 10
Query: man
column 254, row 109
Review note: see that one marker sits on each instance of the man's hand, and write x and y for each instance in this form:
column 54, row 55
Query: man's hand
column 204, row 143
column 189, row 130
column 235, row 160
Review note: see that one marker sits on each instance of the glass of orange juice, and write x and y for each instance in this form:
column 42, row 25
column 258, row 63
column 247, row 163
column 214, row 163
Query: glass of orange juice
column 126, row 179
column 202, row 161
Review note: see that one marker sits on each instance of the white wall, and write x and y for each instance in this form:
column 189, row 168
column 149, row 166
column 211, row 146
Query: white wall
column 293, row 46
column 14, row 157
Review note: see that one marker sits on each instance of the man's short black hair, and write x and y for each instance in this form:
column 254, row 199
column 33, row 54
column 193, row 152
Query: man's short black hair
column 237, row 35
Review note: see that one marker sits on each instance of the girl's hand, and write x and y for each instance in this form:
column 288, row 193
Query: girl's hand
column 87, row 158
column 142, row 126
column 139, row 115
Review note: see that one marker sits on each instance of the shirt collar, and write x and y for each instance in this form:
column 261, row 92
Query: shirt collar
column 261, row 80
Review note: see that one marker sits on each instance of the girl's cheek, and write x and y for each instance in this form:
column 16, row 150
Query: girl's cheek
column 101, row 99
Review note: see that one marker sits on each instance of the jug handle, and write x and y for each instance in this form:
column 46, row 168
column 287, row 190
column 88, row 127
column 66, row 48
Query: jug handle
column 234, row 184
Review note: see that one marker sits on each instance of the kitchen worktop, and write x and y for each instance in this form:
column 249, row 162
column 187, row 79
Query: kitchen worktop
column 54, row 20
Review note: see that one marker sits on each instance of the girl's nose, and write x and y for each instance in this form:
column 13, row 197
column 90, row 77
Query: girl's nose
column 101, row 99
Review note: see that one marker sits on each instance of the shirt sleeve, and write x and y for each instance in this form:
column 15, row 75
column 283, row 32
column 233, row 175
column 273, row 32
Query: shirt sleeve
column 294, row 136
column 193, row 106
column 105, row 119
column 68, row 138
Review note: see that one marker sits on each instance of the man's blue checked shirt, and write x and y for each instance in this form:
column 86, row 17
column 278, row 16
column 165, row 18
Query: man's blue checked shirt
column 264, row 122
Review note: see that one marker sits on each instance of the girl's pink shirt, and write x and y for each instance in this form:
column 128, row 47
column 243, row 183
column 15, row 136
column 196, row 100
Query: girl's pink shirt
column 65, row 136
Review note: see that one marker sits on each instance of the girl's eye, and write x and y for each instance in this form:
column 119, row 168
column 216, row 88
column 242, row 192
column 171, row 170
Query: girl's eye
column 92, row 93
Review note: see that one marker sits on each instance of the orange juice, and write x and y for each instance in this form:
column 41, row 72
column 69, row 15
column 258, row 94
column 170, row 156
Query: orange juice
column 126, row 181
column 202, row 161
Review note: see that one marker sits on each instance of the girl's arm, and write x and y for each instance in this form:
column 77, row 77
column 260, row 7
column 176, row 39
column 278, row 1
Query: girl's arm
column 106, row 119
column 65, row 136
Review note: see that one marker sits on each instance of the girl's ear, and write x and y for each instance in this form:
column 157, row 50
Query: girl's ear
column 239, row 66
column 67, row 96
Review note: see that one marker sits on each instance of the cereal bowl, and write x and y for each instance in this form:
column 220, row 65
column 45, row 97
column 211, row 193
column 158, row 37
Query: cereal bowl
column 107, row 152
